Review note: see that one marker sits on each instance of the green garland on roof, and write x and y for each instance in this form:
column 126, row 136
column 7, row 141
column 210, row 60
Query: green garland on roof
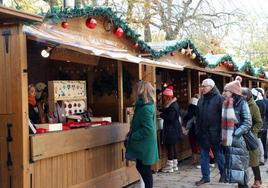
column 58, row 14
column 261, row 70
column 224, row 58
column 178, row 46
column 247, row 67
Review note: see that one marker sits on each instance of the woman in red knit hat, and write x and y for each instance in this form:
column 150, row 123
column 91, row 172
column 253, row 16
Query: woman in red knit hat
column 171, row 128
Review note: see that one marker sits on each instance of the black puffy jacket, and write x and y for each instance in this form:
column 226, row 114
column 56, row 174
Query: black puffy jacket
column 209, row 119
column 172, row 126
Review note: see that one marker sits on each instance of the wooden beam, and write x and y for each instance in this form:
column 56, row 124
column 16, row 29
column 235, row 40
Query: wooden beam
column 189, row 84
column 7, row 14
column 58, row 143
column 68, row 55
column 120, row 93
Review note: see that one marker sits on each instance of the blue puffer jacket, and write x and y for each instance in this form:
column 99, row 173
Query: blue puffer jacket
column 237, row 155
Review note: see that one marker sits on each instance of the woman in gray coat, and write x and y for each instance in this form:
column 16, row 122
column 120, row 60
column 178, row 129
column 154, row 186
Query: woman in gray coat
column 237, row 155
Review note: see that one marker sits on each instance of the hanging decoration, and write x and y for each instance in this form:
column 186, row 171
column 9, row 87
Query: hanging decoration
column 106, row 82
column 119, row 32
column 183, row 51
column 193, row 56
column 189, row 51
column 136, row 45
column 58, row 14
column 64, row 25
column 91, row 23
column 108, row 24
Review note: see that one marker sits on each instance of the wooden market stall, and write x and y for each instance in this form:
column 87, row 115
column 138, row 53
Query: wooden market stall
column 14, row 138
column 93, row 47
column 186, row 83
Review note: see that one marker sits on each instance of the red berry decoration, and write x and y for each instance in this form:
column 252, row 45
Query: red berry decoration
column 64, row 25
column 136, row 45
column 119, row 32
column 91, row 23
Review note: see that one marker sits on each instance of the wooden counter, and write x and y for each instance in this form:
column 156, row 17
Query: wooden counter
column 62, row 142
column 81, row 158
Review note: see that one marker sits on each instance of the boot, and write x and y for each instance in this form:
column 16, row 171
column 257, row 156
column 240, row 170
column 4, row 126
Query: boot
column 257, row 184
column 168, row 167
column 175, row 165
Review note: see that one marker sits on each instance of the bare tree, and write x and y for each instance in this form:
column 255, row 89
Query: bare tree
column 177, row 17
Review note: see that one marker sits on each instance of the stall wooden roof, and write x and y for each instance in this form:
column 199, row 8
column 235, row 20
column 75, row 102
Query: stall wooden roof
column 10, row 16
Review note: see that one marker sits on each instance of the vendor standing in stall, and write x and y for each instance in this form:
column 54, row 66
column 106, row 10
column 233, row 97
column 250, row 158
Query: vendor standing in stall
column 32, row 104
column 171, row 128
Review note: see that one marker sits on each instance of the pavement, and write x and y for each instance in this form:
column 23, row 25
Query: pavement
column 189, row 174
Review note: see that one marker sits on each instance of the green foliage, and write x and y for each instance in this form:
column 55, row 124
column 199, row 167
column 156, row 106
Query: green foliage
column 248, row 67
column 59, row 14
column 225, row 57
column 107, row 83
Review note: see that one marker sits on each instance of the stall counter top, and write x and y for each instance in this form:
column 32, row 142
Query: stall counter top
column 61, row 142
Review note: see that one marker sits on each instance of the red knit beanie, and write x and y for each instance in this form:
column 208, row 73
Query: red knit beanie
column 168, row 91
column 234, row 86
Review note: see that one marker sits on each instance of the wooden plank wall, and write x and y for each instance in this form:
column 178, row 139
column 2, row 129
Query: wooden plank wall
column 80, row 168
column 14, row 91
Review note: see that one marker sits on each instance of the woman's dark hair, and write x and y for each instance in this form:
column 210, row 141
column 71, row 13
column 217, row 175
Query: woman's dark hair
column 236, row 98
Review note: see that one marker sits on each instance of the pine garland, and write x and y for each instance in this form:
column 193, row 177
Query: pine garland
column 261, row 70
column 247, row 67
column 58, row 14
column 224, row 58
column 178, row 46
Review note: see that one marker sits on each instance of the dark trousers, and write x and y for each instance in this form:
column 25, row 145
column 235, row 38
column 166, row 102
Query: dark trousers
column 146, row 173
column 172, row 153
column 263, row 140
column 257, row 173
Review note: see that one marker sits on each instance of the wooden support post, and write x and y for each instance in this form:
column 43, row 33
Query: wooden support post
column 189, row 85
column 249, row 84
column 120, row 91
column 199, row 82
column 224, row 81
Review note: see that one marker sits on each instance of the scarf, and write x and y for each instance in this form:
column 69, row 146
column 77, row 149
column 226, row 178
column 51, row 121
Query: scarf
column 170, row 102
column 32, row 101
column 228, row 122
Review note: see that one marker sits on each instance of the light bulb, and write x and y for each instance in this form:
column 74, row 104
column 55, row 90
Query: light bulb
column 44, row 53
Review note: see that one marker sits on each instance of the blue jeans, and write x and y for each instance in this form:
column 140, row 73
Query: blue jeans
column 218, row 154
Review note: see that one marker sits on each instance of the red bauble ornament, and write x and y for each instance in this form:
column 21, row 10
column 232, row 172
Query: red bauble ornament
column 64, row 25
column 91, row 23
column 136, row 45
column 118, row 32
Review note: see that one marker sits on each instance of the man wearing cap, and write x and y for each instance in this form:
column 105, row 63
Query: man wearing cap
column 209, row 129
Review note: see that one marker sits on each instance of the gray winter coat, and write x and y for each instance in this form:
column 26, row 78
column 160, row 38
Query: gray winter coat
column 237, row 155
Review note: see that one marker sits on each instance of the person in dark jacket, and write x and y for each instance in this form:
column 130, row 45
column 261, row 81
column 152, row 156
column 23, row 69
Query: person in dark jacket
column 258, row 97
column 254, row 160
column 190, row 126
column 171, row 128
column 265, row 124
column 237, row 155
column 32, row 104
column 209, row 129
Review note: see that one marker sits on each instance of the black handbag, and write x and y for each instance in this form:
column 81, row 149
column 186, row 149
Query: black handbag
column 251, row 141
